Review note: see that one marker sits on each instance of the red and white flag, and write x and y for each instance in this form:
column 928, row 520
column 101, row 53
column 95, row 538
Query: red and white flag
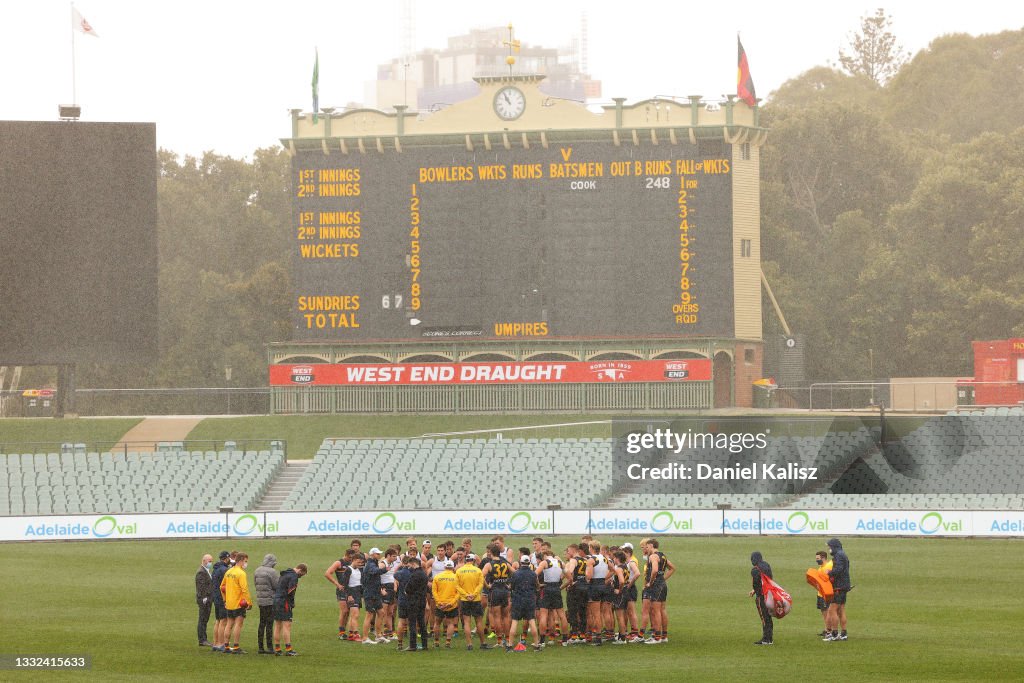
column 79, row 23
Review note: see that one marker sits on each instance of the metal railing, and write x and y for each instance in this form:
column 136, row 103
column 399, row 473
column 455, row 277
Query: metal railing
column 190, row 445
column 195, row 401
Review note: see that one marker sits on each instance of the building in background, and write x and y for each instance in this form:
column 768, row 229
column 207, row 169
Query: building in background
column 432, row 79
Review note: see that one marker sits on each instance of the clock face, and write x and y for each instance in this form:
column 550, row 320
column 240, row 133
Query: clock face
column 509, row 103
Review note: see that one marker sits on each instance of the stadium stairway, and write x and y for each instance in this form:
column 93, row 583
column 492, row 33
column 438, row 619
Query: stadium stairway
column 282, row 485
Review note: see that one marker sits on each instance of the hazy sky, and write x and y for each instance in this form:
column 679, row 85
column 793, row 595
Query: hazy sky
column 222, row 74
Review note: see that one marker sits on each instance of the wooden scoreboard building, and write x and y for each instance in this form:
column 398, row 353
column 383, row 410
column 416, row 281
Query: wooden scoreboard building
column 519, row 252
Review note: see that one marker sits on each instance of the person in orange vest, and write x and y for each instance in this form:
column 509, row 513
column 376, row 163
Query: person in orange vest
column 824, row 565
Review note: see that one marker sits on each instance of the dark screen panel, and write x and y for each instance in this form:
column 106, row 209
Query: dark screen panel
column 578, row 240
column 78, row 274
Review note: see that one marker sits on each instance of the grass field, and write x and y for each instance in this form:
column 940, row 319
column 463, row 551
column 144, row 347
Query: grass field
column 305, row 433
column 923, row 609
column 17, row 431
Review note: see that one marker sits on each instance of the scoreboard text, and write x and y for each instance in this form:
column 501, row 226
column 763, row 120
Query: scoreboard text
column 582, row 239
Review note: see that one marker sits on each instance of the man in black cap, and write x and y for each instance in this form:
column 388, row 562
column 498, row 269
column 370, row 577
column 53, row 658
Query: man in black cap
column 840, row 577
column 220, row 638
column 416, row 594
column 760, row 567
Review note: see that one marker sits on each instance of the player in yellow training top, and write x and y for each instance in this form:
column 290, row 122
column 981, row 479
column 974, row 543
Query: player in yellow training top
column 445, row 590
column 235, row 589
column 470, row 585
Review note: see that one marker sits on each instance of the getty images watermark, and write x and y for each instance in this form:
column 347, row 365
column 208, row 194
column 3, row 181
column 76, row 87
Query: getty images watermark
column 705, row 455
column 706, row 450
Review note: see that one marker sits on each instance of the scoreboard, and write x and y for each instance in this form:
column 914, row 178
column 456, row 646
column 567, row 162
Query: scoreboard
column 78, row 242
column 580, row 239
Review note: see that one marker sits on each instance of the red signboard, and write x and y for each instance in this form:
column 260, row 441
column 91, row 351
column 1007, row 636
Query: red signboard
column 541, row 372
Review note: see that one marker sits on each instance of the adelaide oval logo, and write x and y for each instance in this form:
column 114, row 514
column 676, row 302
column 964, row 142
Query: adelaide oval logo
column 245, row 525
column 104, row 526
column 384, row 522
column 519, row 522
column 930, row 523
column 662, row 522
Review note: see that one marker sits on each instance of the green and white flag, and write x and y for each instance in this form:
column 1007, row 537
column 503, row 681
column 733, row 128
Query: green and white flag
column 316, row 86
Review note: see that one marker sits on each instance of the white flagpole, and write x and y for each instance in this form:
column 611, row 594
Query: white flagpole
column 74, row 85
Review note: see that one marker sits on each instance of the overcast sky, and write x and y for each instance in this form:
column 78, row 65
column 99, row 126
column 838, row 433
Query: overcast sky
column 221, row 74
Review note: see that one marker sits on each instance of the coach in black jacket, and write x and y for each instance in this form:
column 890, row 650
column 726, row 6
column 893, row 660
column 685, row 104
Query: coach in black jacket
column 840, row 576
column 761, row 567
column 204, row 585
column 416, row 596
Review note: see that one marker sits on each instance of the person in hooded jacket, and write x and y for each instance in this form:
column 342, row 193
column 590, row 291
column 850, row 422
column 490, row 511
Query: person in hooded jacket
column 759, row 568
column 840, row 577
column 284, row 604
column 266, row 579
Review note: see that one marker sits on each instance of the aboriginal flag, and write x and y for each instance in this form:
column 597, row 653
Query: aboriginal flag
column 744, row 83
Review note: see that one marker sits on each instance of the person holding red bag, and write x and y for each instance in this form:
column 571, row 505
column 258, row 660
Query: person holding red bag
column 759, row 567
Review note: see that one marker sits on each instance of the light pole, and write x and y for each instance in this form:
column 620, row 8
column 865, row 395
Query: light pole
column 227, row 378
column 871, row 374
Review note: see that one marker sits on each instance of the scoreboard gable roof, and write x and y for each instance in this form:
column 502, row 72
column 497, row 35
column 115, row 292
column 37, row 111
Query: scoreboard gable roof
column 474, row 122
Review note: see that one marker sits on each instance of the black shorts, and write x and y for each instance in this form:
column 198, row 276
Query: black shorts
column 631, row 594
column 403, row 610
column 499, row 597
column 598, row 591
column 446, row 613
column 471, row 609
column 219, row 611
column 839, row 598
column 236, row 613
column 551, row 597
column 355, row 595
column 339, row 594
column 619, row 601
column 389, row 593
column 523, row 610
column 372, row 599
column 822, row 605
column 658, row 592
column 282, row 611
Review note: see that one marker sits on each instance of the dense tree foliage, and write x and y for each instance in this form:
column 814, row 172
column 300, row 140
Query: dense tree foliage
column 893, row 213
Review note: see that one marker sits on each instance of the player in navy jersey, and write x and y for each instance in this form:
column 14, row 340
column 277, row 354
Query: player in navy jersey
column 657, row 571
column 497, row 578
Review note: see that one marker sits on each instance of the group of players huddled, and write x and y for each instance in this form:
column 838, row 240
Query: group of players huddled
column 433, row 592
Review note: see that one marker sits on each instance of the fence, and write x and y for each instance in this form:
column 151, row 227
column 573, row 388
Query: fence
column 193, row 401
column 580, row 398
column 918, row 396
column 190, row 445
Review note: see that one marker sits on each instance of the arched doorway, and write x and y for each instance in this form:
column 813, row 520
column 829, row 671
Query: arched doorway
column 722, row 374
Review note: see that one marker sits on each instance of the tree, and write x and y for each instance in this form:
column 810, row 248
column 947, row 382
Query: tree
column 822, row 84
column 960, row 86
column 874, row 51
column 958, row 234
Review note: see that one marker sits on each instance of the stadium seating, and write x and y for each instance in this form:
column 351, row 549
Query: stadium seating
column 354, row 474
column 170, row 480
column 971, row 460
